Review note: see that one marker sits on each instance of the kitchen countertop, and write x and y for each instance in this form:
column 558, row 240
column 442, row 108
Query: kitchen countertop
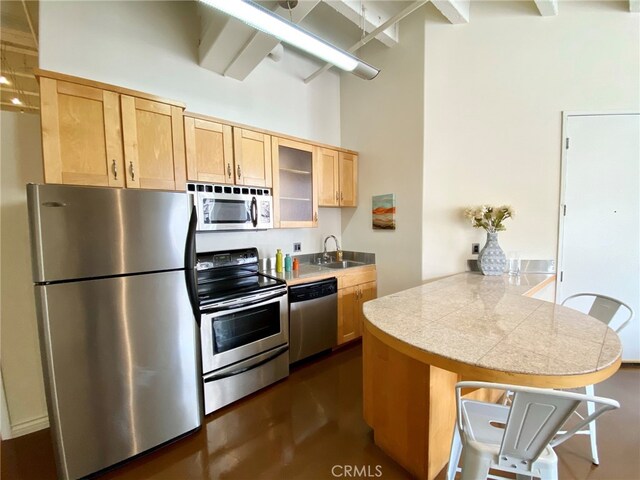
column 490, row 323
column 310, row 271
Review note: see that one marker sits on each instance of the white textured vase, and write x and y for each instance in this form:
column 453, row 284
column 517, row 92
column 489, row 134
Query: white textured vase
column 492, row 260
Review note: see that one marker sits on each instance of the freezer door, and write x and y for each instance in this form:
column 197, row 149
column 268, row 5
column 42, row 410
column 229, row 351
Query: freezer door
column 122, row 368
column 87, row 232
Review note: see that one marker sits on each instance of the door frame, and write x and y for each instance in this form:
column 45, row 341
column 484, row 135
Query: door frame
column 563, row 180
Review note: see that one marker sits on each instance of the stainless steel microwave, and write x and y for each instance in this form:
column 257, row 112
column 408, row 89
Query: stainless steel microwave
column 229, row 207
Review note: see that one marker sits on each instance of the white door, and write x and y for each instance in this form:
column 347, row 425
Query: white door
column 600, row 231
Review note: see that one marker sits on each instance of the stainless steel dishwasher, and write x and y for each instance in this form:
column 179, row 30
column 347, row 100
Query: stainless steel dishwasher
column 313, row 318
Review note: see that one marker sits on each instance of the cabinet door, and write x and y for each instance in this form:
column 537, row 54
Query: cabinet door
column 153, row 135
column 294, row 184
column 348, row 319
column 81, row 136
column 209, row 148
column 348, row 180
column 252, row 152
column 367, row 291
column 328, row 178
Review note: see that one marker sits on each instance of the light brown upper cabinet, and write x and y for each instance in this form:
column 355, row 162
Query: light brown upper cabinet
column 252, row 154
column 209, row 147
column 337, row 179
column 81, row 136
column 348, row 179
column 103, row 135
column 295, row 184
column 153, row 144
column 328, row 178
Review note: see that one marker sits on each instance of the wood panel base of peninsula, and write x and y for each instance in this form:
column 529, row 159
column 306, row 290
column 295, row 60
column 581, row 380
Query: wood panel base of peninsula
column 410, row 405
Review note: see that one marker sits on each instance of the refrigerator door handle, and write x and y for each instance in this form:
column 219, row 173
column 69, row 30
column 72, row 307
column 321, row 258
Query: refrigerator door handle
column 189, row 265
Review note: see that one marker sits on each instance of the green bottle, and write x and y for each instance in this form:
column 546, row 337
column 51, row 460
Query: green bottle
column 279, row 261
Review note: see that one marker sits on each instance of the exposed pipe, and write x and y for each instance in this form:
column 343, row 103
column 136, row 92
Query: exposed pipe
column 392, row 21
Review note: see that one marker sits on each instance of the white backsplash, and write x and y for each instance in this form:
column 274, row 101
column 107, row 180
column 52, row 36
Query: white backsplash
column 267, row 241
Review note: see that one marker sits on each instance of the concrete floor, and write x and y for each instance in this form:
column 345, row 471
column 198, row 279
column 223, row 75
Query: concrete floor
column 310, row 426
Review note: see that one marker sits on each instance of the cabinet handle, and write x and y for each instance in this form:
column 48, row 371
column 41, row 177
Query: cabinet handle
column 133, row 172
column 229, row 170
column 341, row 196
column 337, row 196
column 239, row 173
column 315, row 216
column 115, row 170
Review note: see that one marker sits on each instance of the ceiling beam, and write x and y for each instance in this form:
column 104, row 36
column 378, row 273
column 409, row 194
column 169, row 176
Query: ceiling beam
column 634, row 6
column 260, row 44
column 370, row 15
column 30, row 22
column 393, row 20
column 17, row 37
column 20, row 92
column 24, row 51
column 456, row 11
column 20, row 107
column 13, row 73
column 547, row 8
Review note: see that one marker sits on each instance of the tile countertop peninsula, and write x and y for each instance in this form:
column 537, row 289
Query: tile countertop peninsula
column 419, row 342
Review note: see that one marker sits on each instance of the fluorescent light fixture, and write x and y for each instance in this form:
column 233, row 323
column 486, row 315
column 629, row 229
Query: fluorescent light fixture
column 3, row 80
column 268, row 22
column 16, row 101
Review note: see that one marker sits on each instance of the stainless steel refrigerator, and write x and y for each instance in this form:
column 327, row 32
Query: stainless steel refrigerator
column 116, row 302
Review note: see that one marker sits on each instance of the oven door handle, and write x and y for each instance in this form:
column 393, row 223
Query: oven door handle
column 237, row 306
column 245, row 367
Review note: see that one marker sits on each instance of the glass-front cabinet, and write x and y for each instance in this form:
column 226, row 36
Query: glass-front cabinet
column 295, row 184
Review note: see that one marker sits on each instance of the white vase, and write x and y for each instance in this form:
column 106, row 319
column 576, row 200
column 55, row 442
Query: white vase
column 492, row 260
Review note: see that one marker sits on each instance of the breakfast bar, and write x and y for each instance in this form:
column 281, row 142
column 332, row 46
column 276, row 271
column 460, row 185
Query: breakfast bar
column 419, row 342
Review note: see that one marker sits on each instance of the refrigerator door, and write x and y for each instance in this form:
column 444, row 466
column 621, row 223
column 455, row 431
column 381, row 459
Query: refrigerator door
column 121, row 364
column 87, row 232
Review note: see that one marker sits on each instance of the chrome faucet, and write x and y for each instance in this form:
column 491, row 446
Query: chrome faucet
column 325, row 255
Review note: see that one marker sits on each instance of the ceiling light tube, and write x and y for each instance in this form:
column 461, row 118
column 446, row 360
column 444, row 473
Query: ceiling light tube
column 268, row 22
column 16, row 101
column 3, row 80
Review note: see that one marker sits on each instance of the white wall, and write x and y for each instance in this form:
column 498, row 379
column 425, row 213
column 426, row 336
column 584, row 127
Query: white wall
column 495, row 92
column 383, row 120
column 151, row 47
column 20, row 163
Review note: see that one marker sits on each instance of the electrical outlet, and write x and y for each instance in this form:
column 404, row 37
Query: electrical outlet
column 475, row 248
column 297, row 247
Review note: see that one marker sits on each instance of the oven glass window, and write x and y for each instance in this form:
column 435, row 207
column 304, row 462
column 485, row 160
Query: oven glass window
column 225, row 211
column 241, row 328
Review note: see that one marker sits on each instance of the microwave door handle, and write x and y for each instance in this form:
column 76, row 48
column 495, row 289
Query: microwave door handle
column 236, row 306
column 254, row 211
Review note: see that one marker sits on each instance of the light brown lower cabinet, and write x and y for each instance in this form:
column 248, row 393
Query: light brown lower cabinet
column 353, row 291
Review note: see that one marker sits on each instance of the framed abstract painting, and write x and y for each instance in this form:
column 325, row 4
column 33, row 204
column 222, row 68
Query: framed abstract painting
column 383, row 211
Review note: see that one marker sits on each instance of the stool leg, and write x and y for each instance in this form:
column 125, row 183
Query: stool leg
column 592, row 427
column 475, row 465
column 454, row 456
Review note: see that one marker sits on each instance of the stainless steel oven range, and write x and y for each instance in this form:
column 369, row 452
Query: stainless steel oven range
column 244, row 327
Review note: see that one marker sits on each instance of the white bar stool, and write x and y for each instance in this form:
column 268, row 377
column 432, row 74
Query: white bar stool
column 518, row 438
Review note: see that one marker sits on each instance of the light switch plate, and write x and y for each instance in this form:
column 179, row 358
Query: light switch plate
column 297, row 247
column 475, row 248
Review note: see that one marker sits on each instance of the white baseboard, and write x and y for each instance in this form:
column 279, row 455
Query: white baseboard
column 29, row 426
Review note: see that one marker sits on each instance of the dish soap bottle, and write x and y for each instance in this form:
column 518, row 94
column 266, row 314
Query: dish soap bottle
column 279, row 261
column 287, row 263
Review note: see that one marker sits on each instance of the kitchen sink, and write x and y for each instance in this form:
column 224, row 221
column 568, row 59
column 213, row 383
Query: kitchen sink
column 343, row 264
